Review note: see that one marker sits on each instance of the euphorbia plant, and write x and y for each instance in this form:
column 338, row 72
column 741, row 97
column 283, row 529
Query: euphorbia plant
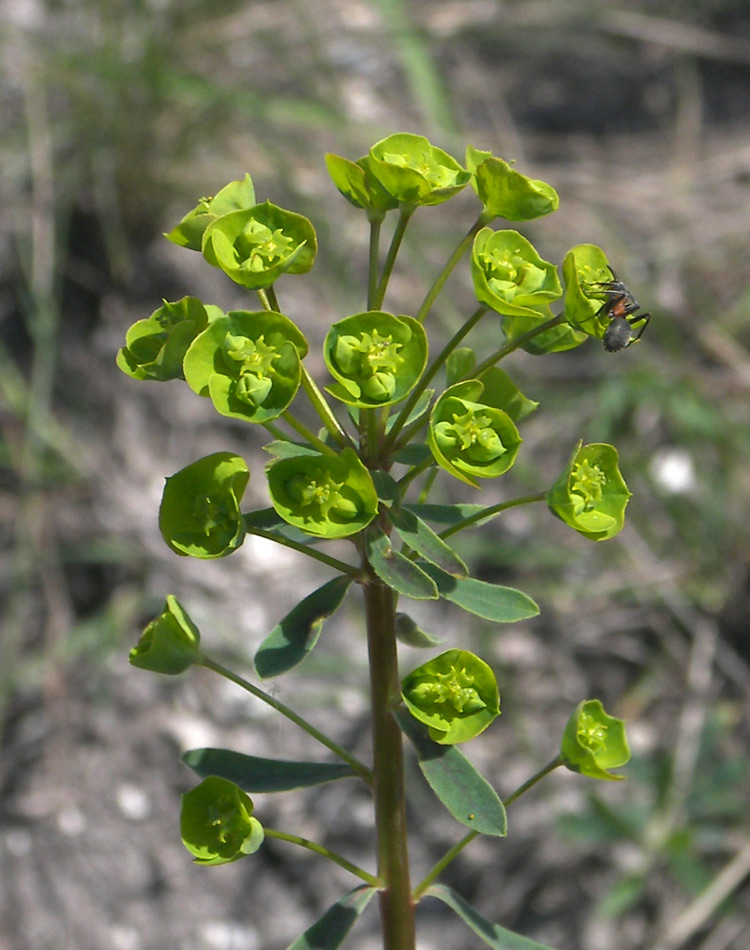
column 392, row 418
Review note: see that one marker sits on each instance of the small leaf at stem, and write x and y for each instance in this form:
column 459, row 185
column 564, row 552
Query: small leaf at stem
column 491, row 601
column 463, row 791
column 255, row 774
column 331, row 930
column 397, row 570
column 424, row 541
column 493, row 935
column 291, row 640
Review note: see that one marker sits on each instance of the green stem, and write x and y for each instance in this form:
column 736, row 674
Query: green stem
column 323, row 409
column 307, row 549
column 427, row 378
column 437, row 869
column 268, row 298
column 490, row 512
column 405, row 213
column 445, row 273
column 457, row 848
column 414, row 472
column 514, row 344
column 306, row 433
column 276, row 432
column 396, row 905
column 326, row 852
column 536, row 777
column 359, row 767
column 372, row 272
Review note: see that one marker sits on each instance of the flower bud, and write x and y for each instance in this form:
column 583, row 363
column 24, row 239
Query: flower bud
column 232, row 197
column 254, row 246
column 329, row 496
column 594, row 742
column 200, row 508
column 414, row 171
column 591, row 495
column 470, row 439
column 376, row 358
column 504, row 192
column 455, row 694
column 170, row 643
column 217, row 823
column 155, row 347
column 248, row 363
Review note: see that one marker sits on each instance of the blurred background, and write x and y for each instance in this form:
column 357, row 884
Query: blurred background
column 115, row 118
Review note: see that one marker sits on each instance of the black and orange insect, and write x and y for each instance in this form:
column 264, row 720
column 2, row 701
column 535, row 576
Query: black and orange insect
column 622, row 309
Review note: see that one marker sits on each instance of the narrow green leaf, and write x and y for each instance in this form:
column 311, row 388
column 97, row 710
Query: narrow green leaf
column 330, row 931
column 254, row 774
column 412, row 454
column 494, row 936
column 386, row 487
column 491, row 601
column 466, row 794
column 396, row 570
column 291, row 640
column 281, row 449
column 424, row 541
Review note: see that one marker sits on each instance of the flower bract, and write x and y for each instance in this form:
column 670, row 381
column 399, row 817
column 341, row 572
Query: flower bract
column 416, row 172
column 217, row 823
column 469, row 438
column 248, row 363
column 200, row 508
column 594, row 742
column 455, row 694
column 375, row 357
column 584, row 267
column 155, row 347
column 506, row 193
column 509, row 275
column 329, row 496
column 359, row 186
column 170, row 643
column 255, row 246
column 232, row 197
column 591, row 495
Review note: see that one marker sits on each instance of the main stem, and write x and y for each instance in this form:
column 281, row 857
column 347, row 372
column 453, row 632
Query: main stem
column 396, row 904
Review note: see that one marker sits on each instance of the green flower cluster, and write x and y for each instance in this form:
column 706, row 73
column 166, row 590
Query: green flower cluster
column 217, row 822
column 455, row 694
column 376, row 358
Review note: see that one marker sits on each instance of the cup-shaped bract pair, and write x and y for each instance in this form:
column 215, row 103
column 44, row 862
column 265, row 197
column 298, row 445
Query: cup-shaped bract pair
column 255, row 246
column 594, row 742
column 455, row 695
column 414, row 171
column 506, row 193
column 585, row 266
column 248, row 362
column 170, row 643
column 155, row 347
column 235, row 196
column 375, row 357
column 359, row 186
column 591, row 495
column 469, row 438
column 328, row 496
column 512, row 279
column 217, row 823
column 200, row 508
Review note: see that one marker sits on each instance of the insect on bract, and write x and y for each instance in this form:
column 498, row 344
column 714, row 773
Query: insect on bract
column 622, row 309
